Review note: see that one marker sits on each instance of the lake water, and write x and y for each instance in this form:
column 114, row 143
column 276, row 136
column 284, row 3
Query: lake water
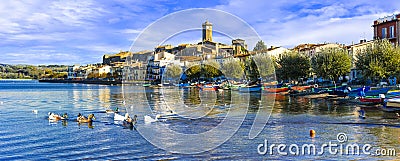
column 26, row 135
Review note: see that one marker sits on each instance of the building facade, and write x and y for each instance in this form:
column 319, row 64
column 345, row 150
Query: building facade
column 276, row 52
column 387, row 28
column 312, row 49
column 354, row 50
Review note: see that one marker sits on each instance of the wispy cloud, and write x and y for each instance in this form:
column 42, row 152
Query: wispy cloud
column 68, row 32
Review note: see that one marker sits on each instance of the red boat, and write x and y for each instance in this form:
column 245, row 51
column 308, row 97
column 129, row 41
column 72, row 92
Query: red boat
column 276, row 90
column 371, row 100
column 300, row 88
column 209, row 87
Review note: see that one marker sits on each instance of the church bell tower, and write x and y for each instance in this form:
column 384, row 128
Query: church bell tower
column 207, row 31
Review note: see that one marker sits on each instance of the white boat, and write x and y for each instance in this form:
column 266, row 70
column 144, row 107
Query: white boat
column 391, row 104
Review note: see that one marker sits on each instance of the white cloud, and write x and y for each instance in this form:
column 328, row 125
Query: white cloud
column 83, row 30
column 131, row 31
column 289, row 23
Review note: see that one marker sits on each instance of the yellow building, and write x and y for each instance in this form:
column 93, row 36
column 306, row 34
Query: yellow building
column 311, row 49
column 207, row 31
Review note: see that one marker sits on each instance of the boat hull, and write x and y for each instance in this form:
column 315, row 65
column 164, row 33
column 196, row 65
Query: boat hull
column 249, row 89
column 276, row 90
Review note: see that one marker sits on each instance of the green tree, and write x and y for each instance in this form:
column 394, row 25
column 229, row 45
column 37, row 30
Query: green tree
column 173, row 71
column 264, row 64
column 331, row 63
column 233, row 68
column 251, row 70
column 193, row 71
column 379, row 60
column 292, row 65
column 260, row 46
column 211, row 69
column 48, row 71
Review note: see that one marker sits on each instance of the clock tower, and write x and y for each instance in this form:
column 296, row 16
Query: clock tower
column 207, row 31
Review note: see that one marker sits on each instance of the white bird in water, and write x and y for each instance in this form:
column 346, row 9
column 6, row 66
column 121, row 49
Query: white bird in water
column 35, row 111
column 1, row 102
column 148, row 119
column 118, row 117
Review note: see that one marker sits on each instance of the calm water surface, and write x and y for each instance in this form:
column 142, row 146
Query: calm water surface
column 25, row 135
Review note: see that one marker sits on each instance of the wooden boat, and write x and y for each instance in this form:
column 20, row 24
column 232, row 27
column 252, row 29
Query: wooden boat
column 339, row 91
column 237, row 86
column 300, row 88
column 391, row 104
column 358, row 92
column 371, row 100
column 276, row 90
column 254, row 88
column 376, row 92
column 209, row 87
column 393, row 93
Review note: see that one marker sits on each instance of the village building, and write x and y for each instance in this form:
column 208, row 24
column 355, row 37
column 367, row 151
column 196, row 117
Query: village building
column 388, row 28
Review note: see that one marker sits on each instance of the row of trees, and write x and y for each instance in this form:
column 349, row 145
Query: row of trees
column 376, row 61
column 31, row 72
column 379, row 60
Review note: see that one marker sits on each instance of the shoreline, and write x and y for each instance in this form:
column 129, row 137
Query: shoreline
column 103, row 82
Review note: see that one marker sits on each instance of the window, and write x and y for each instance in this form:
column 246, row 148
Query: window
column 391, row 32
column 384, row 33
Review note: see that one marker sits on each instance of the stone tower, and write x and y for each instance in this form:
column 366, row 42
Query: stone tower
column 207, row 31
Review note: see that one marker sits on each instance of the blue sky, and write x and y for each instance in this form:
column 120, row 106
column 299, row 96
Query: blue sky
column 71, row 32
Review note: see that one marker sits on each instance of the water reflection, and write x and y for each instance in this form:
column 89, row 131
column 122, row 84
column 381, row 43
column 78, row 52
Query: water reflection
column 105, row 96
column 291, row 120
column 89, row 125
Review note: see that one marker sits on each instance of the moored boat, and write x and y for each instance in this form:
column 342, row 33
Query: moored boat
column 300, row 88
column 209, row 87
column 393, row 93
column 359, row 91
column 253, row 88
column 376, row 100
column 339, row 91
column 276, row 90
column 376, row 92
column 391, row 104
column 237, row 86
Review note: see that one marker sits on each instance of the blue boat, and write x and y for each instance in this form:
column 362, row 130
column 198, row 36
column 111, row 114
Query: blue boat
column 254, row 88
column 182, row 85
column 359, row 91
column 340, row 91
column 376, row 92
column 393, row 93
